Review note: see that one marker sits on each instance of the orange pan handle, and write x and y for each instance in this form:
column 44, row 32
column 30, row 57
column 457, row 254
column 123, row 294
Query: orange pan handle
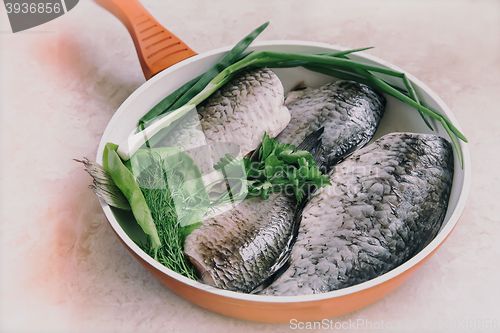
column 157, row 48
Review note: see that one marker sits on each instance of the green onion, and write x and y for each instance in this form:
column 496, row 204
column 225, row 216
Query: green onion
column 450, row 129
column 413, row 94
column 339, row 74
column 189, row 90
column 166, row 103
column 409, row 87
column 336, row 64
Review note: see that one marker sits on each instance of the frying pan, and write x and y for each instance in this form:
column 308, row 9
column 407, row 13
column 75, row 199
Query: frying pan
column 167, row 63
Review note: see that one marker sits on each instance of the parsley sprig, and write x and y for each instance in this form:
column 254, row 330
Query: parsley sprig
column 279, row 167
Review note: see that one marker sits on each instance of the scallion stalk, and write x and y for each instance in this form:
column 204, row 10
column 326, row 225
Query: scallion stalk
column 336, row 64
column 190, row 89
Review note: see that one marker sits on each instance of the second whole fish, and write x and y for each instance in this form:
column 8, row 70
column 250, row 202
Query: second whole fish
column 385, row 203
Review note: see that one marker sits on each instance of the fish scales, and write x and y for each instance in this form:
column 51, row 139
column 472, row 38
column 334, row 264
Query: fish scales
column 244, row 109
column 349, row 112
column 386, row 202
column 239, row 113
column 234, row 253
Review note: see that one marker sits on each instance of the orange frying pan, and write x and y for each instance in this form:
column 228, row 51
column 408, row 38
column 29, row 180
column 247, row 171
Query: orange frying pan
column 167, row 63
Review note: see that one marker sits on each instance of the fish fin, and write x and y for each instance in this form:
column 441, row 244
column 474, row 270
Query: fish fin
column 201, row 270
column 299, row 86
column 278, row 268
column 328, row 163
column 313, row 144
column 266, row 283
column 322, row 164
column 312, row 141
column 296, row 93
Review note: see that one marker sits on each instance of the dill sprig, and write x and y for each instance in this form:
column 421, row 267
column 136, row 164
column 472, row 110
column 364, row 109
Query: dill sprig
column 160, row 200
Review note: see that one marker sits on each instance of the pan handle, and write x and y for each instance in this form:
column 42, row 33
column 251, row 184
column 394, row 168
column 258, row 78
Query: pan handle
column 157, row 48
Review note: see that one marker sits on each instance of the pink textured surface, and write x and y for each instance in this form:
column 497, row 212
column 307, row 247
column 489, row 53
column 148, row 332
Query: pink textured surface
column 63, row 270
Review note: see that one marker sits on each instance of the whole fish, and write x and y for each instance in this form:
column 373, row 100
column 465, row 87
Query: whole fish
column 386, row 202
column 241, row 248
column 349, row 112
column 239, row 113
column 237, row 249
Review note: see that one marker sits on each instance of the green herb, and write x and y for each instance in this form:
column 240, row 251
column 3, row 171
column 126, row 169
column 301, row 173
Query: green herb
column 278, row 167
column 164, row 190
column 125, row 181
column 186, row 92
column 175, row 194
column 177, row 172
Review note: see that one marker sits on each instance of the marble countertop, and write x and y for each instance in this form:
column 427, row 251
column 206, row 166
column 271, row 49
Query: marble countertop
column 62, row 268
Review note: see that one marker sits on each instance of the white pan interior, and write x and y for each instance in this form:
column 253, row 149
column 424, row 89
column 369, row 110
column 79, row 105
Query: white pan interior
column 398, row 117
